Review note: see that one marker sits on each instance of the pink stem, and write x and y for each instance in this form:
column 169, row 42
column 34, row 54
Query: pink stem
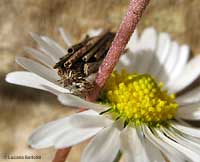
column 61, row 154
column 127, row 27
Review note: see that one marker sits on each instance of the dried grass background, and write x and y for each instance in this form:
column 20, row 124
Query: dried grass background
column 23, row 109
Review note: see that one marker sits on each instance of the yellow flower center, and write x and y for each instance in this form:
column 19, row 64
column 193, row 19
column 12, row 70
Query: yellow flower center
column 138, row 99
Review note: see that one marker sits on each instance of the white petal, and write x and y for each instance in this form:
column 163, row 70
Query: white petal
column 126, row 62
column 132, row 44
column 91, row 121
column 56, row 55
column 135, row 59
column 146, row 46
column 153, row 153
column 74, row 101
column 189, row 97
column 47, row 135
column 144, row 65
column 195, row 132
column 170, row 152
column 189, row 111
column 187, row 152
column 183, row 57
column 84, row 127
column 148, row 39
column 32, row 80
column 75, row 136
column 162, row 50
column 38, row 69
column 104, row 147
column 94, row 32
column 182, row 140
column 170, row 62
column 131, row 146
column 66, row 37
column 41, row 57
column 55, row 45
column 189, row 74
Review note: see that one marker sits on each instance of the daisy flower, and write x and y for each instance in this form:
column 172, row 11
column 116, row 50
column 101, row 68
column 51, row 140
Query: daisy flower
column 139, row 113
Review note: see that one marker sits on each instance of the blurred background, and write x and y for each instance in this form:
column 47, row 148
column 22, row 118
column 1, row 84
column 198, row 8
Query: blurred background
column 23, row 109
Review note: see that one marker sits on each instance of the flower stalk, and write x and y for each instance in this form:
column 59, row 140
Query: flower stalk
column 61, row 155
column 127, row 27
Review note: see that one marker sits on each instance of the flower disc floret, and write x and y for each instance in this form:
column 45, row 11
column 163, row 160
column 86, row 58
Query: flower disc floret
column 139, row 99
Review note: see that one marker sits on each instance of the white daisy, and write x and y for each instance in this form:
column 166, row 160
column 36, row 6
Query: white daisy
column 139, row 117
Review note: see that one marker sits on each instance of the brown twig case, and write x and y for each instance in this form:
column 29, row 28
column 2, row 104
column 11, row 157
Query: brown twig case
column 82, row 60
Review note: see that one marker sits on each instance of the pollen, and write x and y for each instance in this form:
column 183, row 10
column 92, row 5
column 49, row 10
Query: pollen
column 138, row 99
